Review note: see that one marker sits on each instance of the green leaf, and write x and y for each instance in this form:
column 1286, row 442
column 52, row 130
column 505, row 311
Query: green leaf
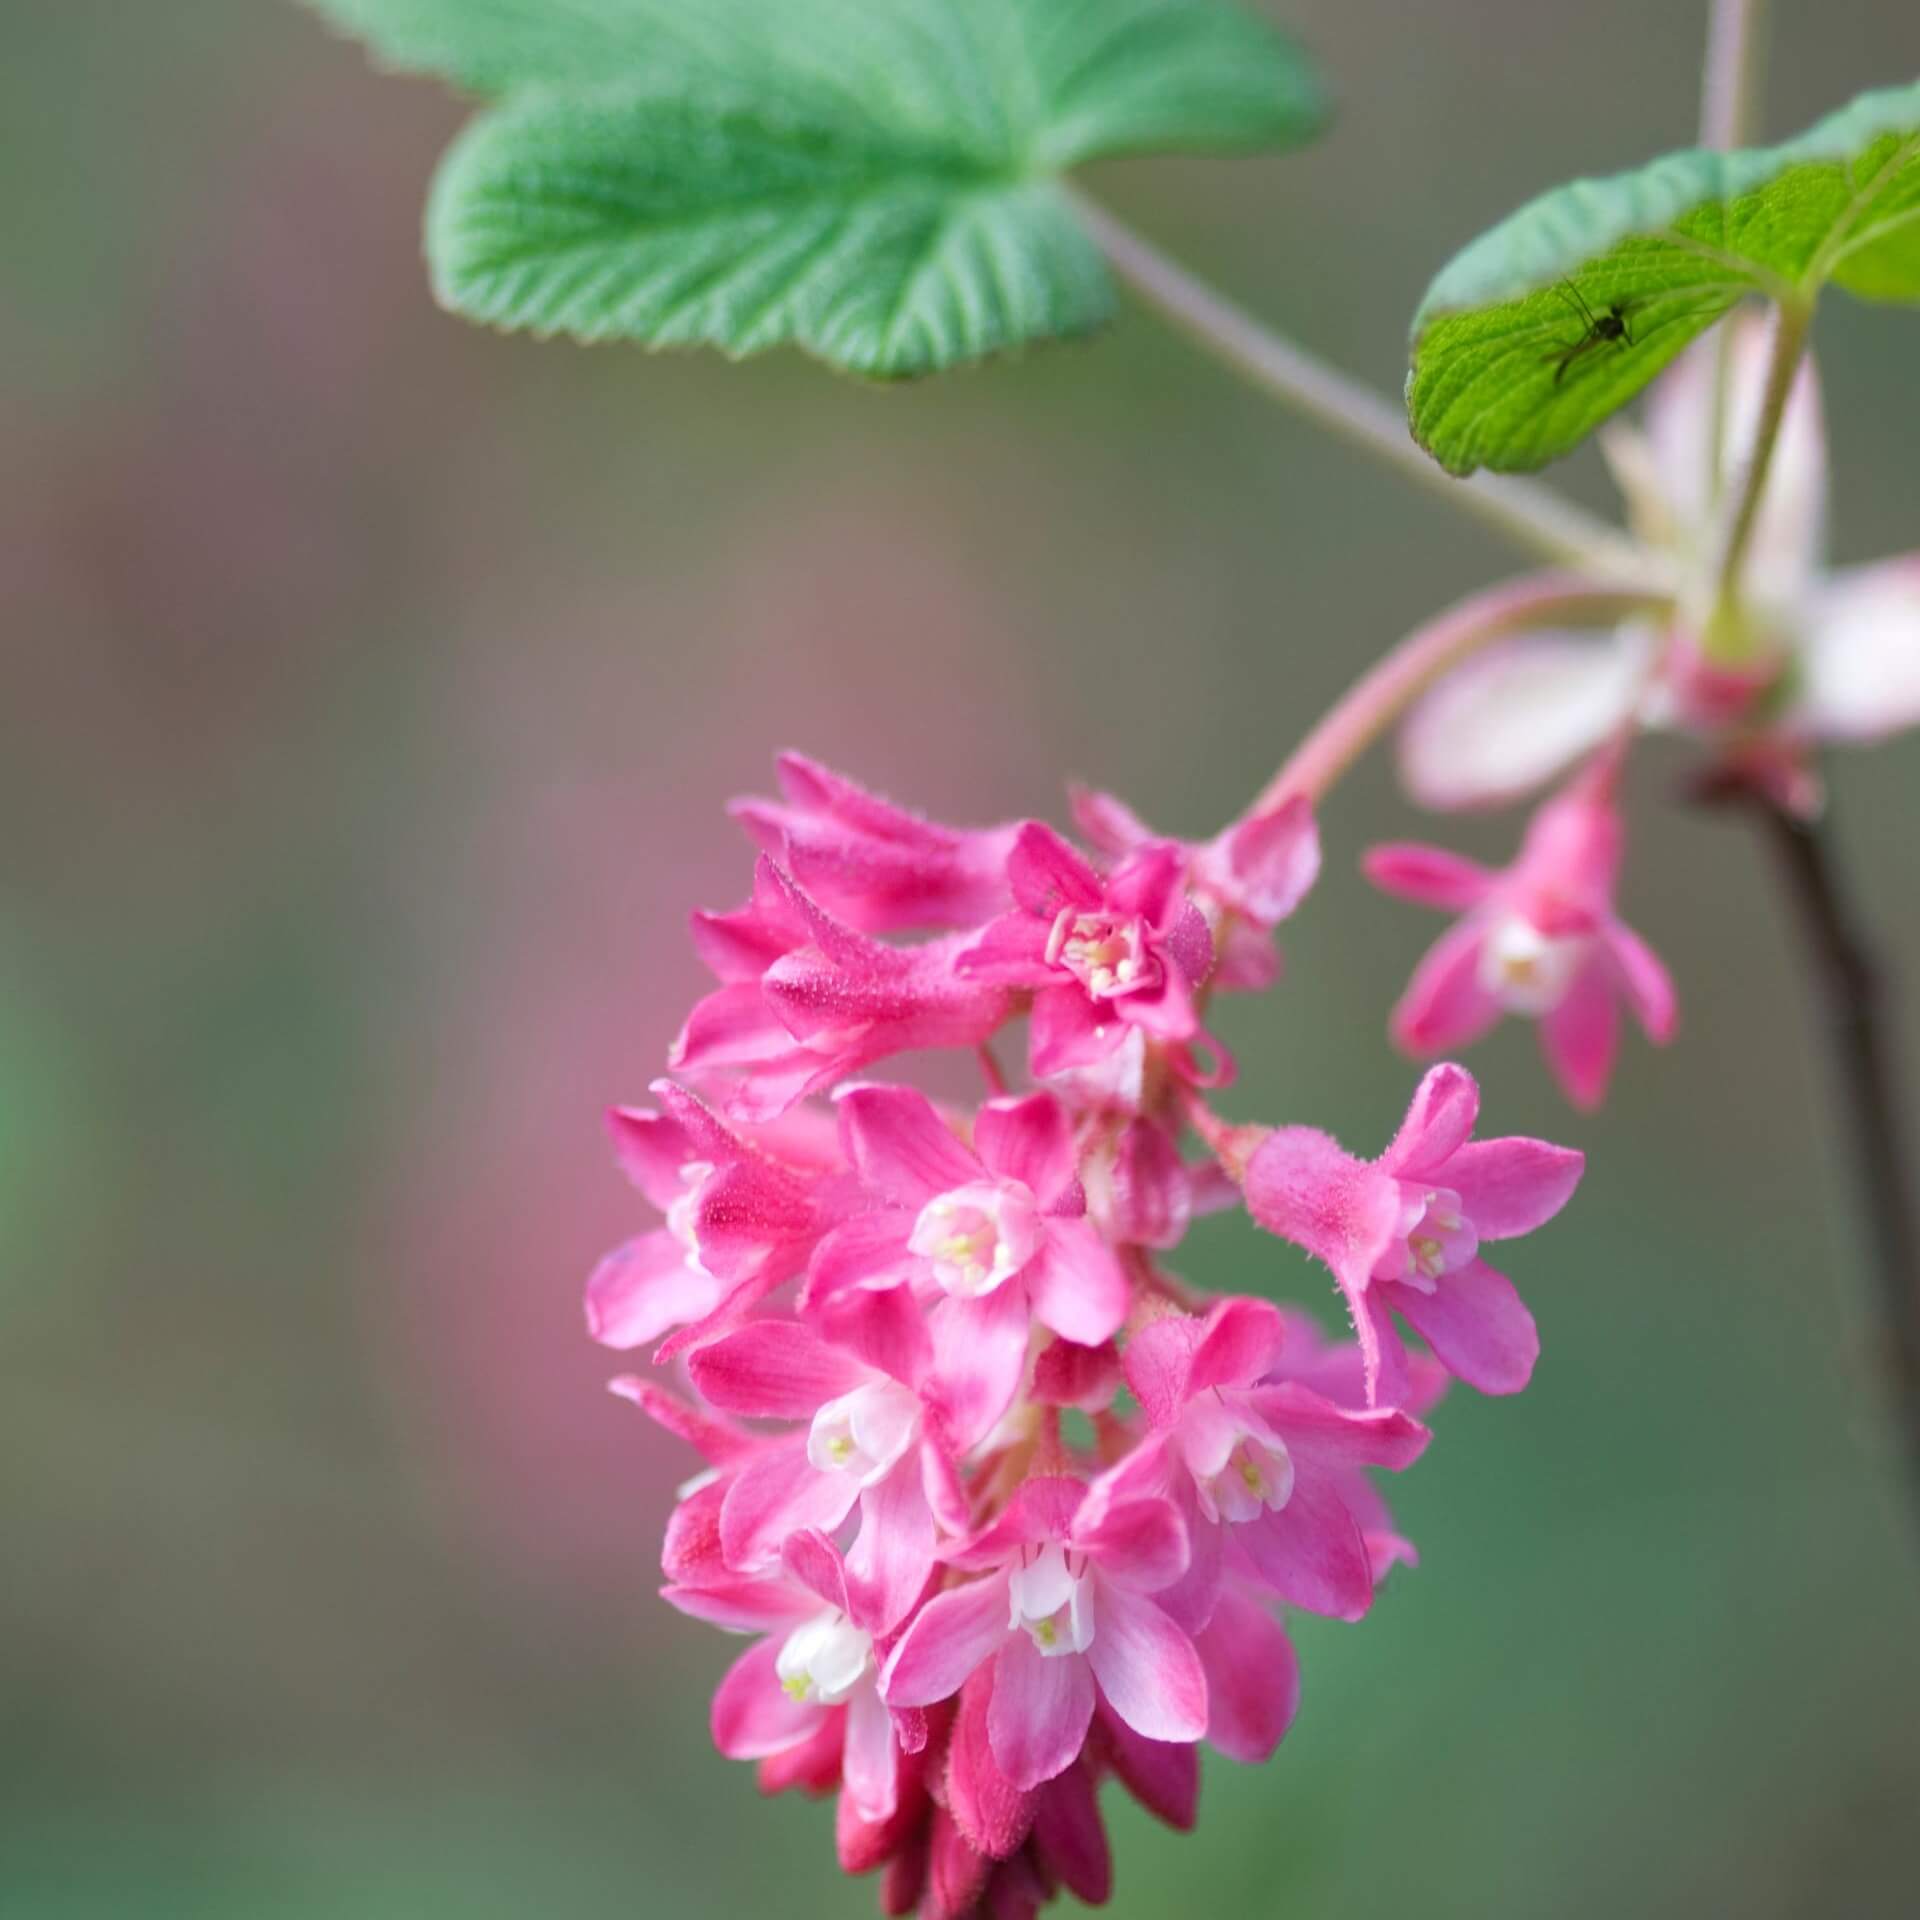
column 874, row 180
column 1510, row 369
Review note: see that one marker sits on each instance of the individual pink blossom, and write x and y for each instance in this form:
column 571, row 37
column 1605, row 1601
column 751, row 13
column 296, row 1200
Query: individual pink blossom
column 877, row 866
column 863, row 1442
column 743, row 1210
column 996, row 1235
column 1064, row 1613
column 1103, row 957
column 1540, row 939
column 1402, row 1233
column 805, row 1001
column 1820, row 657
column 1259, row 1470
column 1247, row 878
column 813, row 1677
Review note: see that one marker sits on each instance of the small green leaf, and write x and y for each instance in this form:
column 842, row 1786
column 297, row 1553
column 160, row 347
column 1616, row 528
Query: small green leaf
column 874, row 180
column 1556, row 318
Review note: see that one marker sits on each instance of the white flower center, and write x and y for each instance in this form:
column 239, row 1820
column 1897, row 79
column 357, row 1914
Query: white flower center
column 683, row 1212
column 1526, row 970
column 1107, row 955
column 1436, row 1238
column 978, row 1237
column 1052, row 1600
column 1240, row 1466
column 824, row 1659
column 864, row 1432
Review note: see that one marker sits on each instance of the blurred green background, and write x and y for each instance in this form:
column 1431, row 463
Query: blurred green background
column 370, row 691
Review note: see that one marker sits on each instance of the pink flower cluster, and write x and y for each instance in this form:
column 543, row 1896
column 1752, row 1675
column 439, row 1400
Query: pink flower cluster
column 1005, row 1513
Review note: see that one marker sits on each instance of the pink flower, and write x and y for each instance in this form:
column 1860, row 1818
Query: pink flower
column 876, row 865
column 813, row 1677
column 742, row 1209
column 864, row 1443
column 1104, row 958
column 1819, row 656
column 1261, row 1471
column 1402, row 1233
column 1064, row 1615
column 995, row 1236
column 806, row 1001
column 1540, row 939
column 1247, row 879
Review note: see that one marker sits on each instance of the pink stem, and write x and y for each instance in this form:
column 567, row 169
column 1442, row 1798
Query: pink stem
column 1382, row 695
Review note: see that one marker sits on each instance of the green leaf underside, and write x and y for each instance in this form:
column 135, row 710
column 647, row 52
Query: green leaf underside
column 870, row 179
column 1673, row 246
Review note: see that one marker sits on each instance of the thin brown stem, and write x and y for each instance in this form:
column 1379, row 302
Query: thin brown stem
column 1860, row 1045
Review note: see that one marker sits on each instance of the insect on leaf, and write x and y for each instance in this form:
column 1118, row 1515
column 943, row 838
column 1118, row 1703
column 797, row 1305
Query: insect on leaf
column 1557, row 317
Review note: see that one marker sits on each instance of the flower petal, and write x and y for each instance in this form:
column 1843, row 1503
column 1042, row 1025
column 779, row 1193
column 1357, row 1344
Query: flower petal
column 1163, row 1775
column 1477, row 1326
column 891, row 1557
column 1239, row 1341
column 898, row 1143
column 870, row 1760
column 773, row 1370
column 1428, row 876
column 948, row 1638
column 1445, row 1006
column 1253, row 1678
column 1068, row 1030
column 641, row 1289
column 1046, row 874
column 1028, row 1139
column 1582, row 1034
column 1514, row 716
column 1649, row 987
column 1077, row 1284
column 1147, row 1668
column 1510, row 1187
column 1318, row 1431
column 1861, row 666
column 1439, row 1122
column 979, row 1355
column 1041, row 1708
column 1311, row 1553
column 1142, row 1544
column 753, row 1714
column 774, row 1496
column 1273, row 859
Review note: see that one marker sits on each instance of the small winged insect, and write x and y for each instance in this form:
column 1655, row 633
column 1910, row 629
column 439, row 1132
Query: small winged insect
column 1602, row 329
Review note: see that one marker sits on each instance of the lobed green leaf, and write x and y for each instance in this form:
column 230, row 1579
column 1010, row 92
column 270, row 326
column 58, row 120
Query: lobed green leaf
column 874, row 180
column 1510, row 369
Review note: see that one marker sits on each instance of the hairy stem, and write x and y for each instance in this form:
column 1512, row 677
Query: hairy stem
column 1792, row 322
column 1533, row 516
column 1860, row 1048
column 1735, row 73
column 1382, row 694
column 1730, row 93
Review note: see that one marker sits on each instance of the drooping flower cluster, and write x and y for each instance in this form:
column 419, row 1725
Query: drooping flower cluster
column 1005, row 1512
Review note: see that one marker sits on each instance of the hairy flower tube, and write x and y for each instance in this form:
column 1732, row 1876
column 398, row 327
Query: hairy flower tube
column 872, row 1314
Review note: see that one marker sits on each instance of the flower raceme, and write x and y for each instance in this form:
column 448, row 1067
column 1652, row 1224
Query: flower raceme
column 1005, row 1514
